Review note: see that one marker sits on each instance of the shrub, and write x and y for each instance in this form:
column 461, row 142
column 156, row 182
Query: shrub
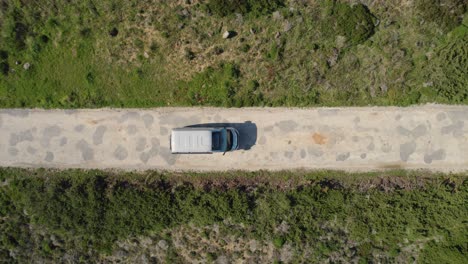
column 445, row 13
column 354, row 22
column 255, row 7
column 87, row 211
column 449, row 69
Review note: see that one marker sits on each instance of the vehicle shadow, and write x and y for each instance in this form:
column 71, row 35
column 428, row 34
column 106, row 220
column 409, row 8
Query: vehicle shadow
column 247, row 132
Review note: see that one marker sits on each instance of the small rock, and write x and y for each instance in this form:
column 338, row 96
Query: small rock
column 146, row 241
column 332, row 60
column 287, row 26
column 253, row 245
column 429, row 55
column 222, row 260
column 239, row 18
column 228, row 34
column 143, row 259
column 283, row 227
column 277, row 35
column 27, row 65
column 340, row 41
column 277, row 15
column 215, row 228
column 384, row 88
column 17, row 62
column 55, row 241
column 185, row 12
column 163, row 244
column 286, row 253
column 146, row 55
column 120, row 253
column 428, row 84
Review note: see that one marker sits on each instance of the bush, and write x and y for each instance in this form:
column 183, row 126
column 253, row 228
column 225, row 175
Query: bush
column 447, row 14
column 88, row 211
column 354, row 22
column 449, row 69
column 255, row 7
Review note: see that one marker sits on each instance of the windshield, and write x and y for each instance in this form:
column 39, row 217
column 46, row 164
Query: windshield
column 220, row 140
column 229, row 139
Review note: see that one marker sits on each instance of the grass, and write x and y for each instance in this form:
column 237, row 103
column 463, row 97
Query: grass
column 285, row 53
column 298, row 216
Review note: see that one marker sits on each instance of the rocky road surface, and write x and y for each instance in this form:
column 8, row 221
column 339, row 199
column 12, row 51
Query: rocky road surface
column 431, row 137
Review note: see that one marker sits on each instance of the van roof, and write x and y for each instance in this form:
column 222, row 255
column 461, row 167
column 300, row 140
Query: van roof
column 191, row 140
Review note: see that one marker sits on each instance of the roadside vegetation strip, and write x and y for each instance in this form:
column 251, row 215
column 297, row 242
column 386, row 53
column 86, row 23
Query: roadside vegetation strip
column 296, row 215
column 62, row 54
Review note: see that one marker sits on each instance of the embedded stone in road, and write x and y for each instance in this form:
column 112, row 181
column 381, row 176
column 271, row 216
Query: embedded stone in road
column 455, row 128
column 87, row 153
column 63, row 141
column 436, row 155
column 13, row 151
column 79, row 128
column 441, row 116
column 406, row 150
column 140, row 144
column 163, row 131
column 303, row 153
column 49, row 133
column 132, row 129
column 155, row 144
column 16, row 138
column 419, row 131
column 147, row 120
column 128, row 116
column 99, row 134
column 287, row 125
column 31, row 150
column 314, row 152
column 343, row 156
column 120, row 153
column 386, row 148
column 49, row 156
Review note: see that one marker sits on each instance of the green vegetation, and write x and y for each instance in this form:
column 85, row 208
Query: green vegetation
column 355, row 23
column 255, row 7
column 212, row 86
column 62, row 54
column 446, row 13
column 318, row 216
column 449, row 69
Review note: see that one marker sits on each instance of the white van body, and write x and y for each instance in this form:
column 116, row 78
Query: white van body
column 203, row 139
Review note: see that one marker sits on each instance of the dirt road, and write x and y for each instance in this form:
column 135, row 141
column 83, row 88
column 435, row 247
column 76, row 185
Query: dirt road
column 431, row 137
